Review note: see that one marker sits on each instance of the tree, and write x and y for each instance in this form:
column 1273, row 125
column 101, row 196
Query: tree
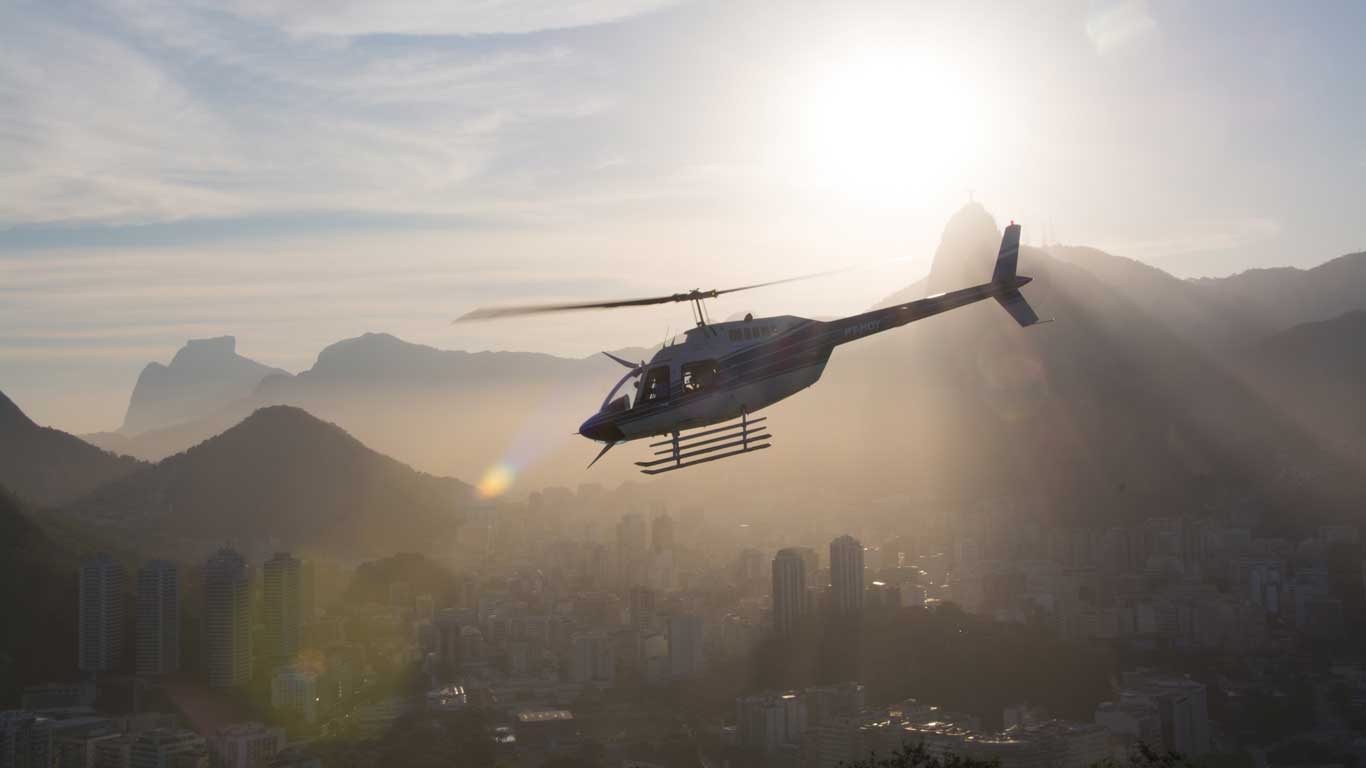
column 916, row 756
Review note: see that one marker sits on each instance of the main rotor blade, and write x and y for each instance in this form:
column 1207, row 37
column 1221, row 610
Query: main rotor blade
column 811, row 276
column 601, row 453
column 492, row 313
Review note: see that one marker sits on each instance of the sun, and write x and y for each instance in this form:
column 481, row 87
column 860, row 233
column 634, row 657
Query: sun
column 885, row 127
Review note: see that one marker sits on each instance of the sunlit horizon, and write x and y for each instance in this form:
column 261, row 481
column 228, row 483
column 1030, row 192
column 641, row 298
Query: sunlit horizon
column 328, row 174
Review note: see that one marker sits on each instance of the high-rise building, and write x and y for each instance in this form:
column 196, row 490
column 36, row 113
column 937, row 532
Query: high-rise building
column 789, row 590
column 846, row 575
column 158, row 618
column 593, row 659
column 102, row 585
column 685, row 645
column 227, row 620
column 25, row 739
column 631, row 549
column 662, row 533
column 811, row 560
column 308, row 590
column 641, row 606
column 282, row 606
column 750, row 565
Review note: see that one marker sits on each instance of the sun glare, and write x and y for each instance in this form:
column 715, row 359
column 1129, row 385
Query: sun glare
column 885, row 128
column 495, row 482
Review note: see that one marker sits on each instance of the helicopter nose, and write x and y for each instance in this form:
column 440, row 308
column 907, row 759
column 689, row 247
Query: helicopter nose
column 600, row 429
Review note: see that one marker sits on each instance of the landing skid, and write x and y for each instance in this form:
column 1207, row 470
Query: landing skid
column 683, row 449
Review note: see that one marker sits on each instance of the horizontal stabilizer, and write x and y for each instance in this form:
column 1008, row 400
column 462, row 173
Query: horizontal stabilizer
column 1014, row 303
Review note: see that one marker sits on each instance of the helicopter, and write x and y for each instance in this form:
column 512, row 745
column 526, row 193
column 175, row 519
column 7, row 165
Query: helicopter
column 700, row 394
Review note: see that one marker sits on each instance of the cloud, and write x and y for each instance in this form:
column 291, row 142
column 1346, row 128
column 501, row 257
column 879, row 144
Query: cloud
column 423, row 17
column 141, row 111
column 1115, row 25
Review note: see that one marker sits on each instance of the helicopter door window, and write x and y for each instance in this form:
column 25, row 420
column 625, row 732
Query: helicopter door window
column 655, row 388
column 700, row 375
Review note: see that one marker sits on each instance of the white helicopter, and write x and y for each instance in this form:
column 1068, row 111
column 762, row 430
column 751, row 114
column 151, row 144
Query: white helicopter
column 725, row 372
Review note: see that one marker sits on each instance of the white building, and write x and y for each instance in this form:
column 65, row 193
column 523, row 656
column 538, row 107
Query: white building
column 247, row 745
column 167, row 748
column 295, row 690
column 227, row 620
column 102, row 584
column 158, row 618
column 770, row 721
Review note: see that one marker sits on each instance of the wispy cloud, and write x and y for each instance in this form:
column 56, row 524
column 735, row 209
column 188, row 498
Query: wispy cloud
column 142, row 111
column 422, row 17
column 1114, row 25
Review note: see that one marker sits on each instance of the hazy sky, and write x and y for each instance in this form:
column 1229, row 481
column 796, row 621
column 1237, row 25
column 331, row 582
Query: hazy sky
column 294, row 172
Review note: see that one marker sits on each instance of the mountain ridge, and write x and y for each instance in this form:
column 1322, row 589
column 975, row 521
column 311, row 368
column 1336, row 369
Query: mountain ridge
column 284, row 476
column 204, row 375
column 47, row 466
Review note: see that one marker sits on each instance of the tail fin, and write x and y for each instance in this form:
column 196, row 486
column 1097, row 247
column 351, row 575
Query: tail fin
column 1012, row 300
column 1008, row 256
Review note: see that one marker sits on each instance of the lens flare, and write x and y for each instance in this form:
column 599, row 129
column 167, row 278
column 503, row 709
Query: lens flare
column 496, row 480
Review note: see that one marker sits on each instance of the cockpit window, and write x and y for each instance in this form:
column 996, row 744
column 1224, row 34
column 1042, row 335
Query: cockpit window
column 655, row 386
column 700, row 375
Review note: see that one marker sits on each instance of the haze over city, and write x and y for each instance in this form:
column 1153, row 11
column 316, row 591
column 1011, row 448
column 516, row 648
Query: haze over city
column 668, row 384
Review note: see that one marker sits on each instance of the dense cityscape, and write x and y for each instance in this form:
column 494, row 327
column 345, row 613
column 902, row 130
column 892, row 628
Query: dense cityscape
column 652, row 636
column 682, row 384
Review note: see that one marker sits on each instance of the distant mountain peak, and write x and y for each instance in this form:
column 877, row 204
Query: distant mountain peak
column 966, row 249
column 199, row 350
column 204, row 376
column 282, row 473
column 271, row 416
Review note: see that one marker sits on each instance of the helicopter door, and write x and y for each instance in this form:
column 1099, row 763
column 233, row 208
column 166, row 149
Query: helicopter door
column 654, row 388
column 700, row 376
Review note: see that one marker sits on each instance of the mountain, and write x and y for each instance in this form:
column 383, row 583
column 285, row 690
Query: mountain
column 1196, row 310
column 37, row 580
column 1107, row 411
column 1137, row 399
column 1317, row 372
column 47, row 466
column 1287, row 296
column 204, row 376
column 448, row 412
column 283, row 478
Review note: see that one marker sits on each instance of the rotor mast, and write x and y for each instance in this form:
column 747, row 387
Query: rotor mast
column 699, row 309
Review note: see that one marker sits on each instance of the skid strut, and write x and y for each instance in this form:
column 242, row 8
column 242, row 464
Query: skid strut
column 685, row 450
